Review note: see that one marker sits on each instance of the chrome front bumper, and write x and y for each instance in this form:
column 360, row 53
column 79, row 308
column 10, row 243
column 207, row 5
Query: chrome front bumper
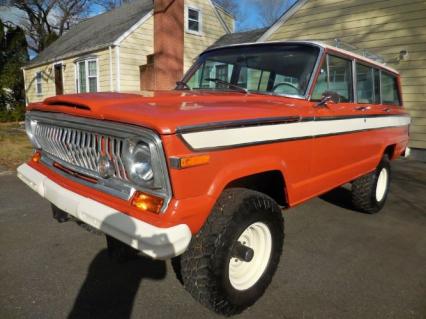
column 158, row 243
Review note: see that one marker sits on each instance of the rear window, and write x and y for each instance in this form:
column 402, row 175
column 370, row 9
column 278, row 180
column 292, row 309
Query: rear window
column 390, row 93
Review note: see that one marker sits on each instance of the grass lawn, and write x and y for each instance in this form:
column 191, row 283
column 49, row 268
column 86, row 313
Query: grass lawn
column 15, row 147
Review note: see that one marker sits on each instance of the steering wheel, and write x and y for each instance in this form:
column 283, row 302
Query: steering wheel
column 285, row 84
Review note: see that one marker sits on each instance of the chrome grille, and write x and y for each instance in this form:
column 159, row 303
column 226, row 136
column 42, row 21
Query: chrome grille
column 82, row 149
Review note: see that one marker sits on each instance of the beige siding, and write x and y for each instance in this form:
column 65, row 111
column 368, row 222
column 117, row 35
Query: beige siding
column 384, row 27
column 133, row 52
column 212, row 30
column 69, row 77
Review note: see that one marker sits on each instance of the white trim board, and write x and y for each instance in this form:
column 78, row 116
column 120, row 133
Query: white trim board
column 117, row 69
column 219, row 16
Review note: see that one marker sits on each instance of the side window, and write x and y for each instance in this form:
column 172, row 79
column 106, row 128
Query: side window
column 335, row 78
column 377, row 99
column 390, row 93
column 340, row 78
column 322, row 83
column 364, row 84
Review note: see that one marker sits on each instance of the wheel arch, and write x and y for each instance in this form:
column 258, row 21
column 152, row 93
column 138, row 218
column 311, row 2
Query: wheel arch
column 265, row 174
column 390, row 151
column 271, row 183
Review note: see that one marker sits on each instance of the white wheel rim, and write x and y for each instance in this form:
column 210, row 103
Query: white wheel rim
column 382, row 184
column 243, row 275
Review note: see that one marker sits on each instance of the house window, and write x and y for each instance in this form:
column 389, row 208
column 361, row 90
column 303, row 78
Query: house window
column 193, row 23
column 87, row 76
column 39, row 87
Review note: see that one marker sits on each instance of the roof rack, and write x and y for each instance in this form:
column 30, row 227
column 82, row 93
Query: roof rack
column 365, row 53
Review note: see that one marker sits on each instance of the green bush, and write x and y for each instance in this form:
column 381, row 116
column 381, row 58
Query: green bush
column 15, row 115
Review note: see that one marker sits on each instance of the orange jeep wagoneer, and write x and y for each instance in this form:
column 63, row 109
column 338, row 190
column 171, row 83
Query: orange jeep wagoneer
column 202, row 172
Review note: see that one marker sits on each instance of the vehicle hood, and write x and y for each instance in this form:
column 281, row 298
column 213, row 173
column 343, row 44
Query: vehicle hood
column 167, row 111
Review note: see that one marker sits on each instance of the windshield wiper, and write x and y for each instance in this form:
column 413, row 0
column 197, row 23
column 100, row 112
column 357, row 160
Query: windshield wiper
column 229, row 85
column 183, row 84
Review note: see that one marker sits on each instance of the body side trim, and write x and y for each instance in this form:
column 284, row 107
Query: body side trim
column 232, row 137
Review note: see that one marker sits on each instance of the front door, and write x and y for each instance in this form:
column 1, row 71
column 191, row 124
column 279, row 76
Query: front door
column 59, row 85
column 336, row 149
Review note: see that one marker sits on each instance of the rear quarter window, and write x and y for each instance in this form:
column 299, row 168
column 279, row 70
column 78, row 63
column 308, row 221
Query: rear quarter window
column 390, row 91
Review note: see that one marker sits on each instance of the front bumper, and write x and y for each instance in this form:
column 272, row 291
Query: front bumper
column 158, row 243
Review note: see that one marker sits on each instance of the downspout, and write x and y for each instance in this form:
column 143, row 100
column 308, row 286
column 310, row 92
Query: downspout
column 117, row 66
column 111, row 85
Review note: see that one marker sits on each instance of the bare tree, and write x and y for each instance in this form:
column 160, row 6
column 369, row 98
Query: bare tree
column 46, row 20
column 109, row 5
column 229, row 5
column 270, row 10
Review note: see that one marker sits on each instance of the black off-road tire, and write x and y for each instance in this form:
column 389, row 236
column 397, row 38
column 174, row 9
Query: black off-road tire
column 205, row 265
column 364, row 189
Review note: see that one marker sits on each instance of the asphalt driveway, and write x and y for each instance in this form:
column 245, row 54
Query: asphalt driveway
column 337, row 263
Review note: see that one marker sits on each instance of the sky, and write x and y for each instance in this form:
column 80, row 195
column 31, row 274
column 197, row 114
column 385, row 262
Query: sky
column 250, row 13
column 248, row 10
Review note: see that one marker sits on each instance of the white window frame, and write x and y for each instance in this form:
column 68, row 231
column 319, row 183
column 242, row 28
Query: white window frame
column 86, row 66
column 200, row 20
column 37, row 82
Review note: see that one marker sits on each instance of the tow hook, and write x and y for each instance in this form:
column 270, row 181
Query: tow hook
column 242, row 252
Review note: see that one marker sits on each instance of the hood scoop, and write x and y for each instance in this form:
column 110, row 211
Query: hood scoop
column 57, row 101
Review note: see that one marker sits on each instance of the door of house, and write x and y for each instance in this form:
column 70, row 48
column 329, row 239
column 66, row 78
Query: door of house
column 59, row 85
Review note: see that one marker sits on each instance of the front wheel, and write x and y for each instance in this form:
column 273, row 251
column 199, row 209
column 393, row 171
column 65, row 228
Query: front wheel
column 232, row 260
column 369, row 192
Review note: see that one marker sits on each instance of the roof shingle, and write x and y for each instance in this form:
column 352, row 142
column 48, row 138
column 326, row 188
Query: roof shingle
column 239, row 37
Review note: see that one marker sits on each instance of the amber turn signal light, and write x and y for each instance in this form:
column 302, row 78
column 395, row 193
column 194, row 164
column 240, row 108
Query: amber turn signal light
column 36, row 157
column 190, row 161
column 147, row 202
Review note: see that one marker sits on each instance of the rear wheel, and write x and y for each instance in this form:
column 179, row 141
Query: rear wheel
column 370, row 191
column 232, row 260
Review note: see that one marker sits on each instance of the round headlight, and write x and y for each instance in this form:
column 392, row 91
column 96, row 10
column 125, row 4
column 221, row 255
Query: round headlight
column 139, row 167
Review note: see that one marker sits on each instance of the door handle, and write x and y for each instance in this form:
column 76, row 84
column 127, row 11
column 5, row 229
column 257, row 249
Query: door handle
column 388, row 109
column 363, row 108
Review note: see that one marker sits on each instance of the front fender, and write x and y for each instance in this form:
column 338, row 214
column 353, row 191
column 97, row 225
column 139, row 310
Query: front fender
column 244, row 168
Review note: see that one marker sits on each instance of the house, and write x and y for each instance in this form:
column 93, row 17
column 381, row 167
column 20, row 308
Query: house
column 393, row 29
column 144, row 44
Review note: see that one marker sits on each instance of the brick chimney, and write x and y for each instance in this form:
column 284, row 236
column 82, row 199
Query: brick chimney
column 168, row 43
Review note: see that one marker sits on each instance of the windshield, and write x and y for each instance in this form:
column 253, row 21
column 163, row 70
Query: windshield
column 282, row 69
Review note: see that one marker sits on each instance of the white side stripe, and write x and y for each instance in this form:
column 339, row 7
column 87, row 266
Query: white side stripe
column 257, row 134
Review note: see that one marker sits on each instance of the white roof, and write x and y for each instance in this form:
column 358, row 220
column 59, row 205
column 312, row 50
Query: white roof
column 322, row 45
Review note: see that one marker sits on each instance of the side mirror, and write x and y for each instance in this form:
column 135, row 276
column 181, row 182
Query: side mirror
column 328, row 97
column 324, row 101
